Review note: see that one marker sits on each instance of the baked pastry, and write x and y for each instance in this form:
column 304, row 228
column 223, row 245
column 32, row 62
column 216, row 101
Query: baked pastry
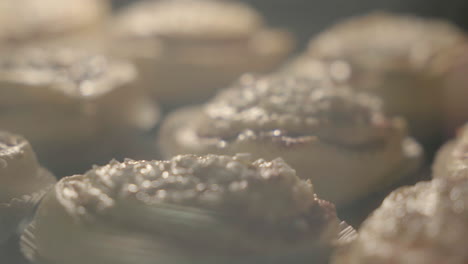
column 452, row 158
column 339, row 139
column 26, row 21
column 422, row 224
column 394, row 57
column 189, row 209
column 453, row 66
column 75, row 107
column 23, row 182
column 186, row 49
column 337, row 72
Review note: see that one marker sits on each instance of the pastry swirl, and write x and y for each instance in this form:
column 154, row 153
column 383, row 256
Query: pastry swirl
column 187, row 206
column 311, row 124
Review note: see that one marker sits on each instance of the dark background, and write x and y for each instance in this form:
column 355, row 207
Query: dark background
column 307, row 17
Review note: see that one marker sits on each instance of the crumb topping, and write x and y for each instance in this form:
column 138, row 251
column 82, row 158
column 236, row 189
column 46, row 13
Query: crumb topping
column 11, row 144
column 294, row 107
column 455, row 160
column 210, row 182
column 189, row 19
column 429, row 217
column 68, row 71
column 263, row 194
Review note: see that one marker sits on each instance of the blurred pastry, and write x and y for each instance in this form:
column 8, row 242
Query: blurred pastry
column 23, row 22
column 339, row 139
column 422, row 224
column 186, row 49
column 75, row 107
column 393, row 57
column 452, row 158
column 453, row 65
column 23, row 182
column 189, row 209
